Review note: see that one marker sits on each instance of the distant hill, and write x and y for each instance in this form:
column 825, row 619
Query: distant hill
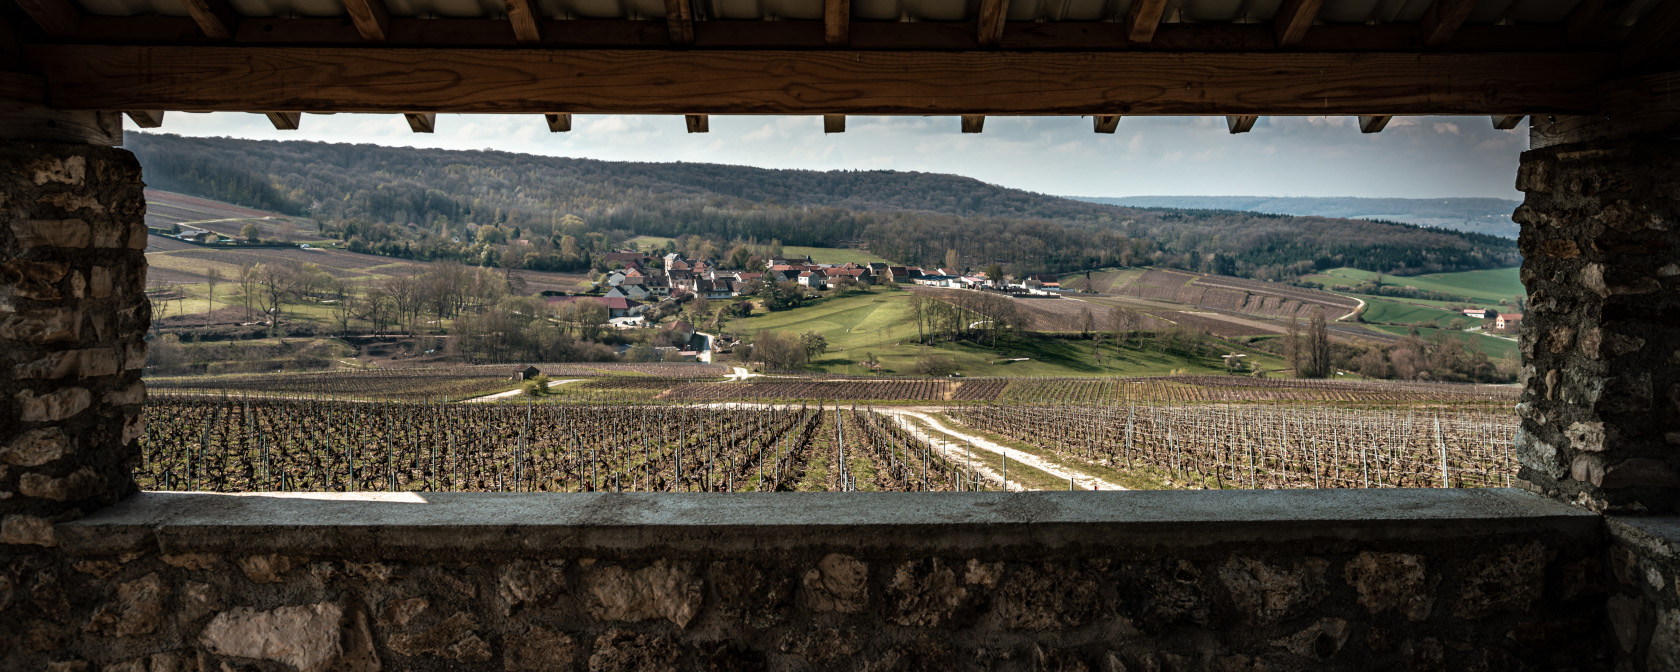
column 557, row 214
column 1491, row 216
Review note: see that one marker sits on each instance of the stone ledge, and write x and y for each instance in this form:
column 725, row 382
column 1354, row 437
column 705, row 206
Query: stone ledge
column 468, row 525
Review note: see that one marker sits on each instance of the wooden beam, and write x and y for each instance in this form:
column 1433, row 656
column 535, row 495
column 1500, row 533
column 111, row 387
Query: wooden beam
column 1091, row 37
column 1105, row 123
column 1443, row 19
column 837, row 22
column 521, row 81
column 834, row 123
column 1633, row 106
column 1143, row 18
column 372, row 19
column 973, row 123
column 57, row 18
column 1241, row 123
column 993, row 14
column 1373, row 123
column 214, row 17
column 525, row 17
column 558, row 122
column 1506, row 122
column 421, row 122
column 1293, row 19
column 1655, row 39
column 697, row 123
column 146, row 118
column 285, row 121
column 679, row 20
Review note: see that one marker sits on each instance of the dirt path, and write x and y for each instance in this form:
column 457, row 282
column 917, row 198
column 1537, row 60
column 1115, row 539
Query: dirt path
column 901, row 416
column 516, row 392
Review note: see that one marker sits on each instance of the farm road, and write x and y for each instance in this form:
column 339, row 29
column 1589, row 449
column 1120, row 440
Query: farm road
column 516, row 391
column 901, row 416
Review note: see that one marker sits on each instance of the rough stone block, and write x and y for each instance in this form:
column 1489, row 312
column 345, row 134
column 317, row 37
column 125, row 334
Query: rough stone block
column 305, row 637
column 625, row 651
column 71, row 233
column 661, row 590
column 397, row 613
column 99, row 282
column 928, row 593
column 37, row 447
column 530, row 582
column 454, row 639
column 34, row 279
column 72, row 202
column 42, row 326
column 839, row 583
column 78, row 485
column 1268, row 593
column 27, row 530
column 128, row 396
column 53, row 406
column 1510, row 578
column 71, row 170
column 539, row 649
column 268, row 568
column 1393, row 581
column 135, row 611
column 1047, row 597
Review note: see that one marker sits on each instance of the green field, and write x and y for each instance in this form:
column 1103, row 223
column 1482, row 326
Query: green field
column 1485, row 288
column 1393, row 311
column 1495, row 347
column 834, row 255
column 879, row 322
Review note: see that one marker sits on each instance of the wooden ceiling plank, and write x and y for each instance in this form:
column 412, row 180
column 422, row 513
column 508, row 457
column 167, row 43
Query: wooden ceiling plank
column 1143, row 18
column 57, row 18
column 1105, row 123
column 372, row 19
column 837, row 22
column 834, row 123
column 421, row 122
column 697, row 123
column 558, row 122
column 525, row 17
column 1241, row 123
column 285, row 121
column 1506, row 122
column 515, row 81
column 973, row 123
column 1655, row 38
column 679, row 19
column 993, row 15
column 1373, row 123
column 1443, row 19
column 146, row 118
column 1293, row 19
column 214, row 17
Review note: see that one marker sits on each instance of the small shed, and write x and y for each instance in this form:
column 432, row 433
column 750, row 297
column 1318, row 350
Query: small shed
column 526, row 373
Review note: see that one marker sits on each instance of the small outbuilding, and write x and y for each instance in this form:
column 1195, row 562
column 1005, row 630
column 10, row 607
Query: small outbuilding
column 526, row 373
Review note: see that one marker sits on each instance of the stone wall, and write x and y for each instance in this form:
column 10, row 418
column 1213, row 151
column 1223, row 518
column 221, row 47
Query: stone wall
column 1601, row 340
column 1175, row 581
column 72, row 317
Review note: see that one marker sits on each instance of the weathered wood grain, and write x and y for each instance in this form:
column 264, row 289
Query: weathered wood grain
column 827, row 82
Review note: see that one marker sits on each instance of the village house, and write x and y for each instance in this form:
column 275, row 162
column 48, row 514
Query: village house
column 680, row 327
column 812, row 279
column 1508, row 322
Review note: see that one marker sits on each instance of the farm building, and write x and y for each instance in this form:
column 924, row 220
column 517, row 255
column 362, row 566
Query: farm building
column 526, row 373
column 1508, row 321
column 1575, row 568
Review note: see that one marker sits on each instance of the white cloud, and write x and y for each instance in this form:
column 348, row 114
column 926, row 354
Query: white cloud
column 1446, row 127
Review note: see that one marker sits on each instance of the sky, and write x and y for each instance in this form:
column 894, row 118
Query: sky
column 1415, row 157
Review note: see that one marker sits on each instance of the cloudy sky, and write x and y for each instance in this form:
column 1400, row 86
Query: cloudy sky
column 1416, row 157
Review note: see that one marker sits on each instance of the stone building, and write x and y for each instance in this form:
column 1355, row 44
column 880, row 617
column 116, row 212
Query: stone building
column 1575, row 570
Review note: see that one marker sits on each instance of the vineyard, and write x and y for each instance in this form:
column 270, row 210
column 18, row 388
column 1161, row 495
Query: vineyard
column 442, row 383
column 250, row 444
column 1269, row 446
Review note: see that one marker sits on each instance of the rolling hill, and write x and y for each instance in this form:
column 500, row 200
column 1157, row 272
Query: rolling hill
column 1475, row 215
column 427, row 203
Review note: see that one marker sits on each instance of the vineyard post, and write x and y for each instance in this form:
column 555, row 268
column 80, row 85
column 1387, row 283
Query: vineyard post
column 1006, row 472
column 1441, row 443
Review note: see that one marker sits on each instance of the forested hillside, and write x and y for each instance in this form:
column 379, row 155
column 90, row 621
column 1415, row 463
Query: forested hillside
column 475, row 206
column 1475, row 215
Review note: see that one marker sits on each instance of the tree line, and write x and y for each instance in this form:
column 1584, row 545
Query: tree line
column 540, row 213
